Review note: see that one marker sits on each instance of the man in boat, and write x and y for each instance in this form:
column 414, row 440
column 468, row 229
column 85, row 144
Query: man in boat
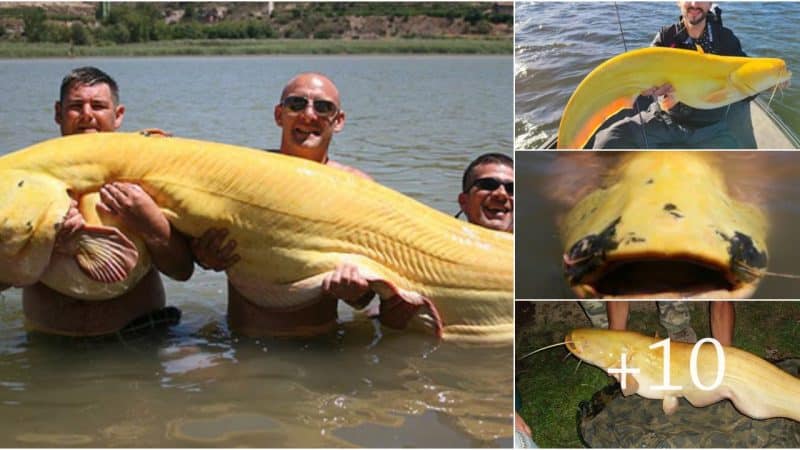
column 89, row 103
column 670, row 124
column 309, row 113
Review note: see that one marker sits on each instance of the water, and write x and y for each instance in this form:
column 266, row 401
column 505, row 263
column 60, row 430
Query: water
column 559, row 43
column 768, row 179
column 413, row 123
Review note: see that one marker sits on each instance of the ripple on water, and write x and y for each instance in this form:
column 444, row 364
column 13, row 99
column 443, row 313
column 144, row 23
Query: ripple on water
column 219, row 429
column 54, row 439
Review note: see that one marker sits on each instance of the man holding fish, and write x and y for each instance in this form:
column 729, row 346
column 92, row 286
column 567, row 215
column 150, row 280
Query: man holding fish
column 89, row 103
column 670, row 124
column 309, row 113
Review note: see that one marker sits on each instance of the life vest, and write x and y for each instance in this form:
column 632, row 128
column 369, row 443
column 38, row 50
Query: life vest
column 723, row 41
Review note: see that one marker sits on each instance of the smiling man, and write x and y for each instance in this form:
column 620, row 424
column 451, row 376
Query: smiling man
column 487, row 192
column 667, row 123
column 309, row 113
column 89, row 103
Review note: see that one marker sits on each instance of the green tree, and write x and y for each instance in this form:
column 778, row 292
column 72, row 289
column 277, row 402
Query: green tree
column 79, row 35
column 33, row 21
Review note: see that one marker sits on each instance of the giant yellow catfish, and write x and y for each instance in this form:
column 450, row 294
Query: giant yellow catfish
column 757, row 388
column 664, row 225
column 700, row 80
column 294, row 221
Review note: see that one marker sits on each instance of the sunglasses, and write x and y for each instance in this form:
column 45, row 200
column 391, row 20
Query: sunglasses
column 323, row 108
column 492, row 184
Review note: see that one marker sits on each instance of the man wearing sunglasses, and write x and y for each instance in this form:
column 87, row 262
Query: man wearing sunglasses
column 487, row 192
column 309, row 113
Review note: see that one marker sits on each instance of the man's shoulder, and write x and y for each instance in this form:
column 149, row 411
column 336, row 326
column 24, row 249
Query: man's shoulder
column 349, row 169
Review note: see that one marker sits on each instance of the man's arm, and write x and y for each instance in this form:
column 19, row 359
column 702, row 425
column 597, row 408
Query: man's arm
column 168, row 248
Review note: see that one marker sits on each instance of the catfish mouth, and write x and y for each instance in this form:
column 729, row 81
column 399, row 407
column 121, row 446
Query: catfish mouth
column 654, row 277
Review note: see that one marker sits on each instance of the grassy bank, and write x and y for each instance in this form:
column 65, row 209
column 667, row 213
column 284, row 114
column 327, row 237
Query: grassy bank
column 264, row 47
column 551, row 388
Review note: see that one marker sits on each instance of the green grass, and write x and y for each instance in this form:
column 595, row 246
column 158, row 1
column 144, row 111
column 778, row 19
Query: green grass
column 263, row 47
column 551, row 388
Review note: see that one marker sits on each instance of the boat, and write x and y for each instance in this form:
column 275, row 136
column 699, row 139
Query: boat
column 759, row 126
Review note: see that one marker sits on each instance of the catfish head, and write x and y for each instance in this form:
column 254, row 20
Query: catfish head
column 600, row 347
column 760, row 74
column 32, row 209
column 664, row 225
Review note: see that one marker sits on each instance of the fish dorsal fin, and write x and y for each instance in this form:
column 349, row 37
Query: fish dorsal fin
column 699, row 48
column 104, row 254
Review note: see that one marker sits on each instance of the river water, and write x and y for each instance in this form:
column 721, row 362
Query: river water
column 558, row 43
column 413, row 123
column 554, row 181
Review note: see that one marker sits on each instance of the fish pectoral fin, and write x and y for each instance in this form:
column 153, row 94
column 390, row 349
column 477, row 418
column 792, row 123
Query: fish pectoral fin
column 670, row 404
column 631, row 385
column 398, row 307
column 718, row 96
column 104, row 254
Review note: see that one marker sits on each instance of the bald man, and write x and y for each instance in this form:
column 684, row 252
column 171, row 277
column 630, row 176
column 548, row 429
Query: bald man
column 309, row 114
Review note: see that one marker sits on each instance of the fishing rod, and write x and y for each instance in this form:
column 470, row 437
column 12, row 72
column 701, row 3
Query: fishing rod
column 635, row 104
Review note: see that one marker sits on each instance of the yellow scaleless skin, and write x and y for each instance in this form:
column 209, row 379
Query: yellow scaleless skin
column 757, row 388
column 294, row 222
column 700, row 80
column 662, row 206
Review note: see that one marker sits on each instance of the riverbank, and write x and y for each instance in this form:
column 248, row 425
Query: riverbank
column 199, row 47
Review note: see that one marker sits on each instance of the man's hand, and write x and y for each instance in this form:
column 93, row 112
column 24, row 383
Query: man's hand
column 521, row 426
column 139, row 212
column 210, row 252
column 136, row 209
column 665, row 94
column 347, row 284
column 73, row 221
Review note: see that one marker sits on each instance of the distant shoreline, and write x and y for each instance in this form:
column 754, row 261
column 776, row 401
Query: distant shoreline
column 204, row 47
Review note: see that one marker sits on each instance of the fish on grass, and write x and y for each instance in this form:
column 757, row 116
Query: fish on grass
column 294, row 221
column 664, row 225
column 700, row 80
column 756, row 388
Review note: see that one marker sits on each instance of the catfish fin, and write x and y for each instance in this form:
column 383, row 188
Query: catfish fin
column 699, row 48
column 104, row 254
column 718, row 96
column 631, row 385
column 670, row 404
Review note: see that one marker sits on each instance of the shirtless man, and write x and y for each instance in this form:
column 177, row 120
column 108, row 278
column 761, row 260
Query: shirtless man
column 89, row 103
column 309, row 114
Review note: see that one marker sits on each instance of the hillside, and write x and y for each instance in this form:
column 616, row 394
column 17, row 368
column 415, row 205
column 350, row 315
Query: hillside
column 108, row 23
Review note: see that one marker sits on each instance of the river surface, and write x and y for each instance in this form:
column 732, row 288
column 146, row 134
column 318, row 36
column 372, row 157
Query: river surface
column 552, row 182
column 558, row 43
column 413, row 123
